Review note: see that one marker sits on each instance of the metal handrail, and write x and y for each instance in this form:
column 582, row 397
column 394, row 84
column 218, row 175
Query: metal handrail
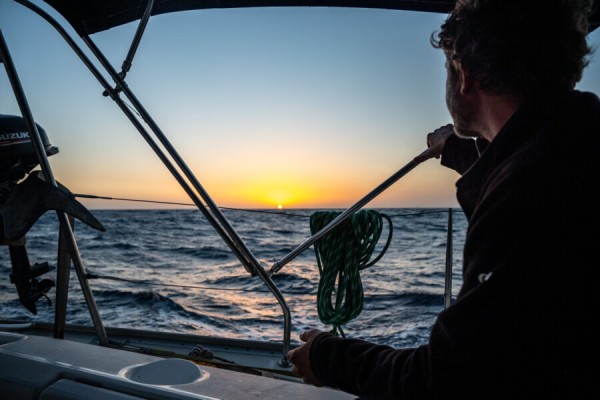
column 448, row 271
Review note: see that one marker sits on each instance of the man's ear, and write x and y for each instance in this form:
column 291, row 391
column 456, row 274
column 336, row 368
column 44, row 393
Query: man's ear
column 465, row 80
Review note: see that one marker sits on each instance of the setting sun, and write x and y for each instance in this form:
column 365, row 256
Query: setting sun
column 280, row 206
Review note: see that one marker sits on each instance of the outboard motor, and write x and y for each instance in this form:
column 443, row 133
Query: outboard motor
column 17, row 159
column 23, row 201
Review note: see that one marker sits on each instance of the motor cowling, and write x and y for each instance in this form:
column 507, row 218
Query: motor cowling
column 17, row 159
column 17, row 154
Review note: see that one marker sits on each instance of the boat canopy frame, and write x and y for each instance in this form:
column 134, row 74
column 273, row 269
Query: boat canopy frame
column 88, row 17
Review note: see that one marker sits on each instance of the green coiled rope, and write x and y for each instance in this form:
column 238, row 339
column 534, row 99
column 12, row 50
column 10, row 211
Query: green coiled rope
column 341, row 255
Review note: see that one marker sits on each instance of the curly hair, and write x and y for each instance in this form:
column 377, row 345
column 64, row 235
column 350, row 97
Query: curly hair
column 518, row 47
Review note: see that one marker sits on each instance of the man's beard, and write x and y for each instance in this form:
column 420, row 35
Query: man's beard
column 459, row 109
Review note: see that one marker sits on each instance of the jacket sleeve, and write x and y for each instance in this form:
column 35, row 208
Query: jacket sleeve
column 459, row 153
column 371, row 370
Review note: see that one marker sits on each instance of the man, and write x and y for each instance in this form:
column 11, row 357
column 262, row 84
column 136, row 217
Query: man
column 521, row 326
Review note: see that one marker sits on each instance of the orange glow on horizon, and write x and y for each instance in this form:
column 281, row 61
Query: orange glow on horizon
column 418, row 189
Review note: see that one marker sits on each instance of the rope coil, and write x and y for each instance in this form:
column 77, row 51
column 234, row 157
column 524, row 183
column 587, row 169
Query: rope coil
column 341, row 255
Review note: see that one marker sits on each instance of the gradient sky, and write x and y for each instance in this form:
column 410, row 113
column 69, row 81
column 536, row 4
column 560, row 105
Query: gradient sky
column 305, row 107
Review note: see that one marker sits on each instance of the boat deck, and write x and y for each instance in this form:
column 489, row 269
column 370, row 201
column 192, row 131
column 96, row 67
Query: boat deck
column 44, row 368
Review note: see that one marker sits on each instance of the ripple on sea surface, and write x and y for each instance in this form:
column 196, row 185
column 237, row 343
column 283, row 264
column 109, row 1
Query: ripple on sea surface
column 170, row 271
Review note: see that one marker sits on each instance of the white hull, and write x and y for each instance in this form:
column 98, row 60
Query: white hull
column 44, row 368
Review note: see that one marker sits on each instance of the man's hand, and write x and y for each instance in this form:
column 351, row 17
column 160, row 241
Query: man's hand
column 300, row 357
column 435, row 143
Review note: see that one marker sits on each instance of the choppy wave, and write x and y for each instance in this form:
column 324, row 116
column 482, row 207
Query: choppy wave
column 170, row 271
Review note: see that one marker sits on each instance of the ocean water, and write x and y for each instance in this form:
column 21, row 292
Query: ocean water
column 168, row 270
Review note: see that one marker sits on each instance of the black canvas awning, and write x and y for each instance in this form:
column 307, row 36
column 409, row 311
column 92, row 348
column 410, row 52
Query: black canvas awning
column 90, row 16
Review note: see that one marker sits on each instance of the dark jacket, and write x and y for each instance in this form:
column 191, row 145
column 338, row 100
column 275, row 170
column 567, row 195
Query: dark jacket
column 522, row 325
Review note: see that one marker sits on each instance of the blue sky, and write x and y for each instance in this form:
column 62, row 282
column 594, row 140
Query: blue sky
column 304, row 107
